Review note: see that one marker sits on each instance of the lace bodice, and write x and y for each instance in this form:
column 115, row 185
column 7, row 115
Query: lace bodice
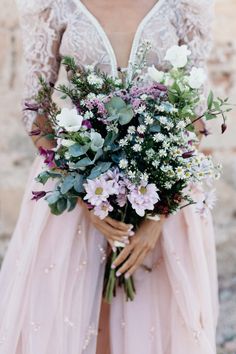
column 54, row 28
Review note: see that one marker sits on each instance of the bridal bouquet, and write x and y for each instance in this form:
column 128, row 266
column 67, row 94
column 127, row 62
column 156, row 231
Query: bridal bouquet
column 127, row 146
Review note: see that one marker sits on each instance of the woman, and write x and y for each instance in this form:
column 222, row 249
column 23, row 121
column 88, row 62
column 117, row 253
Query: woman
column 52, row 276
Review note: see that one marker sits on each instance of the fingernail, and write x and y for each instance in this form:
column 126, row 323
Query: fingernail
column 126, row 242
column 131, row 227
column 118, row 274
column 113, row 266
column 131, row 233
column 114, row 249
column 127, row 276
column 125, row 237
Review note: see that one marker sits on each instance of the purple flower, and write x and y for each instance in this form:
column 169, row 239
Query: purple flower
column 49, row 156
column 102, row 210
column 98, row 190
column 143, row 198
column 86, row 123
column 38, row 195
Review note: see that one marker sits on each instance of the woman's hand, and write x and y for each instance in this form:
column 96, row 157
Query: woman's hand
column 113, row 230
column 140, row 245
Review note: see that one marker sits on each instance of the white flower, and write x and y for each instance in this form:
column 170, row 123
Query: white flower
column 131, row 174
column 148, row 120
column 162, row 153
column 123, row 163
column 131, row 129
column 163, row 120
column 155, row 163
column 158, row 137
column 144, row 96
column 67, row 142
column 69, row 119
column 181, row 125
column 96, row 141
column 137, row 147
column 178, row 55
column 88, row 115
column 141, row 109
column 95, row 80
column 197, row 78
column 141, row 129
column 155, row 74
column 123, row 142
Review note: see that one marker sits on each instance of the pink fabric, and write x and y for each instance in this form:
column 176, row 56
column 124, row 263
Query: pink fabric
column 51, row 287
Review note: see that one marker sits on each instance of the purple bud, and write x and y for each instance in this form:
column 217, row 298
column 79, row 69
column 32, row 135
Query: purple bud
column 187, row 154
column 223, row 128
column 38, row 195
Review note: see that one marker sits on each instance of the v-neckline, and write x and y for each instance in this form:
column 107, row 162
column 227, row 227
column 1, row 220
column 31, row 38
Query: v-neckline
column 107, row 42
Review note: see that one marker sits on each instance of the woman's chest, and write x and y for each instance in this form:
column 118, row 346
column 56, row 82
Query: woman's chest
column 116, row 43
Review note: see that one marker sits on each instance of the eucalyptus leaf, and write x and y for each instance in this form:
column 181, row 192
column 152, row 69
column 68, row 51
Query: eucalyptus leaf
column 71, row 203
column 53, row 198
column 99, row 153
column 67, row 184
column 77, row 150
column 125, row 115
column 61, row 205
column 78, row 183
column 83, row 163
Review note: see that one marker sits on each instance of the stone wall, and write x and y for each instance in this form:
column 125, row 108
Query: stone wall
column 16, row 151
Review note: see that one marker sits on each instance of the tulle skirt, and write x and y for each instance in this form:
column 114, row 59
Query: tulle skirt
column 51, row 286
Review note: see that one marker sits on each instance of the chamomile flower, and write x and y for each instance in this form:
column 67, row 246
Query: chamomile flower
column 141, row 129
column 123, row 142
column 123, row 163
column 158, row 137
column 131, row 129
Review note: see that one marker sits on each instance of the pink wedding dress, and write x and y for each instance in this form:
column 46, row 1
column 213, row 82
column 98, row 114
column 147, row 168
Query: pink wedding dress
column 52, row 276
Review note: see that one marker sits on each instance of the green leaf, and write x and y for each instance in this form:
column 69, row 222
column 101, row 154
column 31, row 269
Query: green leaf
column 67, row 184
column 53, row 198
column 43, row 177
column 99, row 153
column 95, row 172
column 125, row 115
column 77, row 150
column 61, row 205
column 78, row 183
column 71, row 203
column 83, row 163
column 209, row 116
column 210, row 100
column 114, row 105
column 105, row 166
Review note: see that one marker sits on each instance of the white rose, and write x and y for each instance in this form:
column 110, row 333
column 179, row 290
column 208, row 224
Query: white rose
column 96, row 141
column 155, row 74
column 69, row 119
column 197, row 78
column 178, row 55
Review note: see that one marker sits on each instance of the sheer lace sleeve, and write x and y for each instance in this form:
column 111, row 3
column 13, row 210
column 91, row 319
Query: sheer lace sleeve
column 194, row 26
column 42, row 30
column 194, row 19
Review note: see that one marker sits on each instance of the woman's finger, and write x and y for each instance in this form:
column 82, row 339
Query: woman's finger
column 137, row 264
column 129, row 263
column 110, row 234
column 122, row 256
column 118, row 224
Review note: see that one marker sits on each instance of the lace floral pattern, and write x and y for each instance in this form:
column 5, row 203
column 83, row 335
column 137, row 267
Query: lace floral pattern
column 52, row 29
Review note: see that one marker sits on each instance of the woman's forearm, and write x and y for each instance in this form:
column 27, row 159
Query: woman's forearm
column 43, row 128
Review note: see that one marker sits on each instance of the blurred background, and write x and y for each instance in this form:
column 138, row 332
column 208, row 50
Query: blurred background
column 17, row 152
